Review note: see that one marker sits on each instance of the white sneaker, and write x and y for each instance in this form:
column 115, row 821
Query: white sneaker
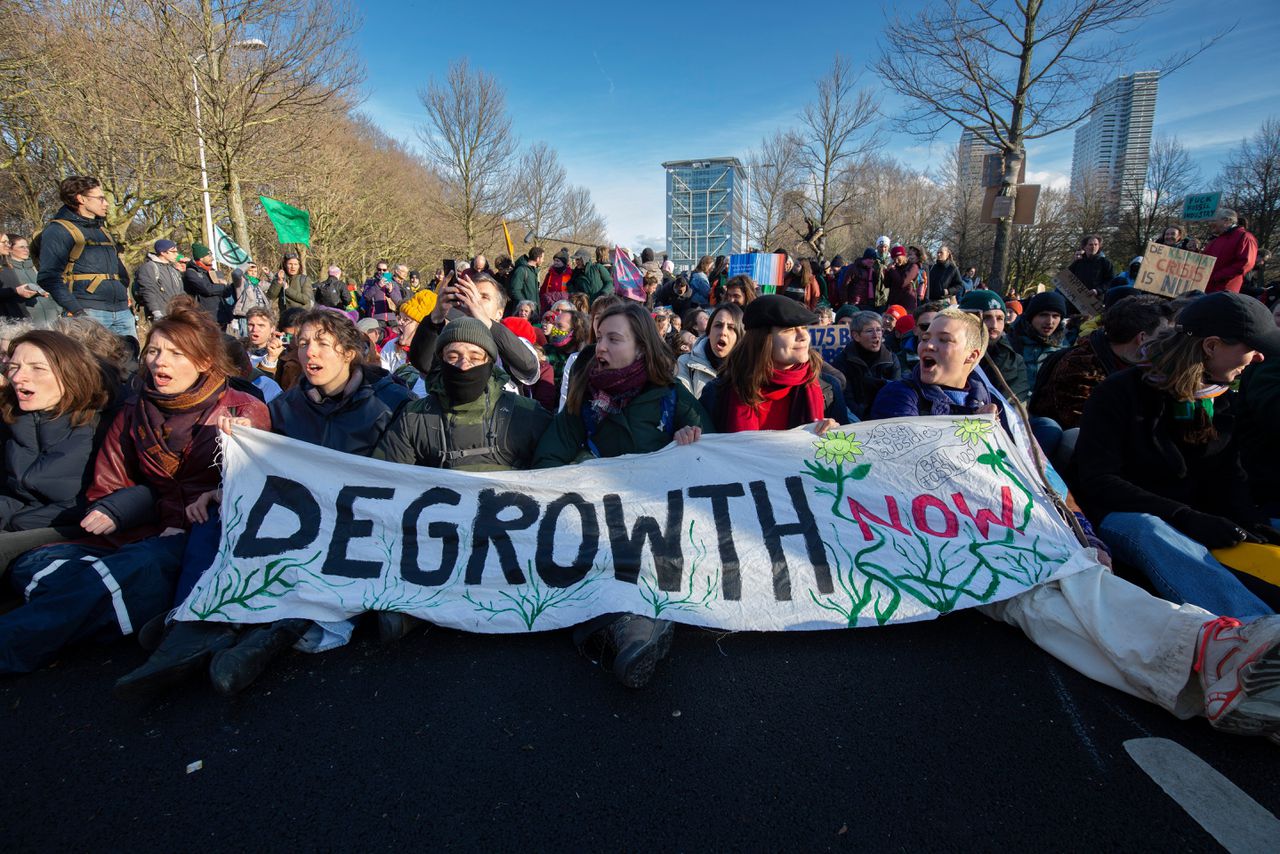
column 1239, row 668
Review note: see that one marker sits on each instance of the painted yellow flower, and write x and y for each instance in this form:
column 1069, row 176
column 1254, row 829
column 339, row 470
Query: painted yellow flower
column 838, row 448
column 971, row 430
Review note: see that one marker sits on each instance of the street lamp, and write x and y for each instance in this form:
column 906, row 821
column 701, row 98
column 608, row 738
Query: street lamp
column 243, row 44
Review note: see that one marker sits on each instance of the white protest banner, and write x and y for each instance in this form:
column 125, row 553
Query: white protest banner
column 888, row 521
column 1168, row 271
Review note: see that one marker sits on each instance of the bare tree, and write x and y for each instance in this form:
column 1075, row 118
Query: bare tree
column 1251, row 181
column 1008, row 70
column 1041, row 249
column 538, row 190
column 1171, row 174
column 833, row 136
column 773, row 171
column 469, row 140
column 582, row 222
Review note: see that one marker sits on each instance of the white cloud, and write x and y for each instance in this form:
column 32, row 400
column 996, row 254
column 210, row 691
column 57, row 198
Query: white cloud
column 1050, row 179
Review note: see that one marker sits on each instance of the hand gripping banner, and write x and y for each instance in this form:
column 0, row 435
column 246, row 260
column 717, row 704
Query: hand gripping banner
column 888, row 521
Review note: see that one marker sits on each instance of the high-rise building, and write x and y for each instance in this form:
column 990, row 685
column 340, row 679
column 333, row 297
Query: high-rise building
column 706, row 209
column 1113, row 145
column 969, row 164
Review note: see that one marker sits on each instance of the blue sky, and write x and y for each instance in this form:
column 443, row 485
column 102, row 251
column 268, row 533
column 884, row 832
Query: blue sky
column 616, row 90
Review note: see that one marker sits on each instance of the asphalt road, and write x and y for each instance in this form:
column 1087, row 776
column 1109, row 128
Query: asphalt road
column 956, row 734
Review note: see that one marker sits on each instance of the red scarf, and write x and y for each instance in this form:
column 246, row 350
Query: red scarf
column 774, row 412
column 203, row 266
column 613, row 389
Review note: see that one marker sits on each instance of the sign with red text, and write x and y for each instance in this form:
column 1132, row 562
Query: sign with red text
column 886, row 521
column 1169, row 272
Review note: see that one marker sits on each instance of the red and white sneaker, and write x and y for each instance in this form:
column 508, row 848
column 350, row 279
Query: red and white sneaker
column 1239, row 668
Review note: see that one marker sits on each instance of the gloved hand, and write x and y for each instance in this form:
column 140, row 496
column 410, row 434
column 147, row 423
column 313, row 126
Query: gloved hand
column 1212, row 532
column 1263, row 532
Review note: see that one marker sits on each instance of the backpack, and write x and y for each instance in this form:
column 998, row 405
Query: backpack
column 80, row 242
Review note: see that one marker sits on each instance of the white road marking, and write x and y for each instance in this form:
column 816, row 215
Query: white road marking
column 1238, row 822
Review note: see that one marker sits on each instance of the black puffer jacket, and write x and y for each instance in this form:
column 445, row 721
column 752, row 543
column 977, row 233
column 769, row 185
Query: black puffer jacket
column 1130, row 460
column 865, row 374
column 197, row 282
column 47, row 465
column 351, row 422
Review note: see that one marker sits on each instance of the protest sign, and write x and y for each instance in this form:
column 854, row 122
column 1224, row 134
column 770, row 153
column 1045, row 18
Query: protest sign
column 890, row 521
column 829, row 340
column 1168, row 271
column 1201, row 206
column 1073, row 289
column 764, row 268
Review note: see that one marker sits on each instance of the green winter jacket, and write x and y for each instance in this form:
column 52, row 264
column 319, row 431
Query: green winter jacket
column 296, row 292
column 594, row 280
column 497, row 431
column 523, row 284
column 635, row 430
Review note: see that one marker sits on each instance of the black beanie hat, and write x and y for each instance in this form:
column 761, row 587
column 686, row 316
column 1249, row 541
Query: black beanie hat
column 1047, row 301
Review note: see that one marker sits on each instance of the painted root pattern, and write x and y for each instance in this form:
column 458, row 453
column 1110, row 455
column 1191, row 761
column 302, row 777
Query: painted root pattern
column 531, row 600
column 253, row 590
column 874, row 580
column 697, row 595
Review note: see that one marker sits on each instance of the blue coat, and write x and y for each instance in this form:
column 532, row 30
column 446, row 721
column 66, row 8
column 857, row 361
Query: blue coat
column 47, row 465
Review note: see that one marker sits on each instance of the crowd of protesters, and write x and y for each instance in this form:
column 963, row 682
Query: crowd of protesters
column 1150, row 420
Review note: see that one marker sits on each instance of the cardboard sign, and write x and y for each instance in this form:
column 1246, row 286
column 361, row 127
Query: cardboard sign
column 1200, row 207
column 995, row 206
column 829, row 340
column 1075, row 291
column 882, row 522
column 1168, row 272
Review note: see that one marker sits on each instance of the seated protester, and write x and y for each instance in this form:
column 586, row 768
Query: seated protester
column 479, row 296
column 943, row 383
column 281, row 359
column 586, row 336
column 1158, row 460
column 866, row 362
column 1039, row 332
column 678, row 296
column 467, row 421
column 627, row 402
column 260, row 323
column 50, row 407
column 114, row 358
column 922, row 315
column 696, row 321
column 338, row 403
column 246, row 378
column 544, row 391
column 1000, row 358
column 1066, row 381
column 772, row 379
column 565, row 336
column 740, row 289
column 1259, row 423
column 699, row 366
column 394, row 354
column 158, row 456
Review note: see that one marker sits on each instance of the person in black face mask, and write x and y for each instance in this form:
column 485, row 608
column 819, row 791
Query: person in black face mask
column 467, row 421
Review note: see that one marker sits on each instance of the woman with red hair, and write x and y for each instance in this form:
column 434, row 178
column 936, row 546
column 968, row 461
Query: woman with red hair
column 158, row 457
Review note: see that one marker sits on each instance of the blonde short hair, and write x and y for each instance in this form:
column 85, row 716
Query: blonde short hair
column 974, row 330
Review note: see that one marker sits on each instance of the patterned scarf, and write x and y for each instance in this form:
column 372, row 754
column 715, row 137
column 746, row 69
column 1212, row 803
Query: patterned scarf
column 612, row 389
column 168, row 421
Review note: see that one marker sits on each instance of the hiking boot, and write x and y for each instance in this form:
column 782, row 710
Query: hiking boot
column 1239, row 668
column 232, row 670
column 183, row 651
column 637, row 645
column 393, row 625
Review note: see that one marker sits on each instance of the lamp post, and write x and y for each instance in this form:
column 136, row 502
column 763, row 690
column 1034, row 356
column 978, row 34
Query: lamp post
column 243, row 44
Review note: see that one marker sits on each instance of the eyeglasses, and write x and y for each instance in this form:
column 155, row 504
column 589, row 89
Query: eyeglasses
column 382, row 269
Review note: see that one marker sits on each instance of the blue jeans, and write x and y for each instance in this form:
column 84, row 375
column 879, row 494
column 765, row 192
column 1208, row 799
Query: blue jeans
column 120, row 322
column 1180, row 569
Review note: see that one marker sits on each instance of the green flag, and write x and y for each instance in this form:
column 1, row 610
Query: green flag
column 293, row 225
